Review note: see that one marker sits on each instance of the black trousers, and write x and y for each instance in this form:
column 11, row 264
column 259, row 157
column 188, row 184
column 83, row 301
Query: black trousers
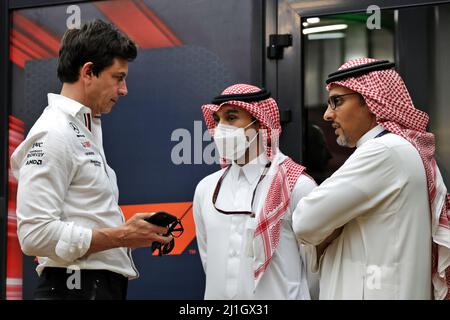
column 63, row 284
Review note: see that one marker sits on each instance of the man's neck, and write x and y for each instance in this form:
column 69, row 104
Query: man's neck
column 373, row 132
column 370, row 126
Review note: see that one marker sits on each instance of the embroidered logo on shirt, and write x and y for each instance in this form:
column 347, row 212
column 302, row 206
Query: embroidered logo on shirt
column 35, row 152
column 86, row 144
column 96, row 163
column 34, row 161
column 74, row 127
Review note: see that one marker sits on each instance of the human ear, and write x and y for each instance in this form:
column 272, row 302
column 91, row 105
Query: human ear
column 86, row 70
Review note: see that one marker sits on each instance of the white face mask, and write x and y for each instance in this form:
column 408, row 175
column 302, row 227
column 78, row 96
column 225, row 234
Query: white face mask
column 231, row 141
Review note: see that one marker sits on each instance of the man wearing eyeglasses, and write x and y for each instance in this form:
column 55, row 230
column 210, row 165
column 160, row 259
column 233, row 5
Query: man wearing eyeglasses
column 243, row 212
column 378, row 227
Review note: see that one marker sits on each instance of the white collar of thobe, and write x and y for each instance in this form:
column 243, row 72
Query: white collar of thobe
column 372, row 133
column 252, row 170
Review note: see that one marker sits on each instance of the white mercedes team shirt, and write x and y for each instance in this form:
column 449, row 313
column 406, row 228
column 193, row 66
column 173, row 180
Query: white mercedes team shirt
column 380, row 196
column 225, row 241
column 66, row 189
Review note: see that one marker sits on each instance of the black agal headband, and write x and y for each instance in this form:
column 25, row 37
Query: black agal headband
column 359, row 70
column 245, row 97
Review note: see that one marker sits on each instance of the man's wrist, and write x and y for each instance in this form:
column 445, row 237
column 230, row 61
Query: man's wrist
column 115, row 237
column 106, row 238
column 118, row 236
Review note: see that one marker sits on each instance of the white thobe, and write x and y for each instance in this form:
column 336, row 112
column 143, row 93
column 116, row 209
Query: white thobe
column 380, row 196
column 225, row 242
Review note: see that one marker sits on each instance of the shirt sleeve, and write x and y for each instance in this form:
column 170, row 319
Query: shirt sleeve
column 200, row 225
column 44, row 167
column 302, row 188
column 351, row 191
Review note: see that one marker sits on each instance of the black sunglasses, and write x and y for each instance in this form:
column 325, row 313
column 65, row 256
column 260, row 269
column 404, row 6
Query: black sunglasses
column 175, row 230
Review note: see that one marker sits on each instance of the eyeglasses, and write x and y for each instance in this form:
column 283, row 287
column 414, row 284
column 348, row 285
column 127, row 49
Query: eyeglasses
column 333, row 100
column 175, row 230
column 219, row 184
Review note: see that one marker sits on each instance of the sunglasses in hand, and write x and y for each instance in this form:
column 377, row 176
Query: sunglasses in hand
column 174, row 226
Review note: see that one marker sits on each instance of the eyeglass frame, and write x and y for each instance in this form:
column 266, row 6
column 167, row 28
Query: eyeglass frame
column 331, row 99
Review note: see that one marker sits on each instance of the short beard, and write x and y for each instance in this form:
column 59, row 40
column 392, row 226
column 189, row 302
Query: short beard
column 342, row 141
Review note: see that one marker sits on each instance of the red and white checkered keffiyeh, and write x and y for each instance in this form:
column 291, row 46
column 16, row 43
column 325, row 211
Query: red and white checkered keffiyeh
column 285, row 173
column 388, row 99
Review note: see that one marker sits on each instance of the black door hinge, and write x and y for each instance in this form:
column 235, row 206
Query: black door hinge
column 277, row 42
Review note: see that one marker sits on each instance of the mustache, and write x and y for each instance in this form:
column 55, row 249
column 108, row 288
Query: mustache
column 335, row 125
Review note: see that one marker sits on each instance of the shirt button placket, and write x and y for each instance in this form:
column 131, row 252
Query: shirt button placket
column 233, row 258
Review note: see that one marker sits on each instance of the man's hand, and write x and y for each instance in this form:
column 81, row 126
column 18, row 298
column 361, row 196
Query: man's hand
column 135, row 233
column 139, row 233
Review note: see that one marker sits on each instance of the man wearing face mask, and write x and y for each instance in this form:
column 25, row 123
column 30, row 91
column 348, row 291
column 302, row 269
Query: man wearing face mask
column 243, row 212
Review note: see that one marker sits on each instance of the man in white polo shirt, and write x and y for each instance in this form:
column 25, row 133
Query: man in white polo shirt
column 67, row 199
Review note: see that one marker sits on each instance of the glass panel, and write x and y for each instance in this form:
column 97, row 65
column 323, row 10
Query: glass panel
column 439, row 97
column 422, row 60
